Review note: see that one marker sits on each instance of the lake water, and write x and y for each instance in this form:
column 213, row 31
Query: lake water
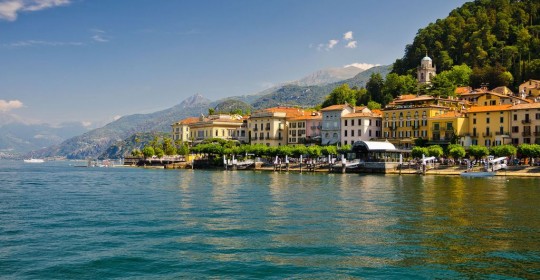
column 58, row 221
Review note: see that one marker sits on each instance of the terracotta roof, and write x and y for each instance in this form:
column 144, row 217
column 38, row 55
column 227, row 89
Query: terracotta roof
column 462, row 90
column 526, row 106
column 289, row 111
column 493, row 108
column 449, row 115
column 301, row 118
column 502, row 90
column 415, row 98
column 356, row 115
column 377, row 111
column 334, row 107
column 189, row 120
column 407, row 96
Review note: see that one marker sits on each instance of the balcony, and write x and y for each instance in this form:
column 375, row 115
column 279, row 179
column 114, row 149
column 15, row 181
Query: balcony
column 498, row 133
column 392, row 127
column 415, row 127
column 267, row 128
column 487, row 134
column 526, row 133
column 255, row 129
column 526, row 121
column 537, row 133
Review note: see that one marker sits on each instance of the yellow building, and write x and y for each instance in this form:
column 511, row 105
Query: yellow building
column 530, row 88
column 269, row 126
column 214, row 126
column 406, row 117
column 180, row 130
column 447, row 127
column 525, row 123
column 488, row 126
column 497, row 96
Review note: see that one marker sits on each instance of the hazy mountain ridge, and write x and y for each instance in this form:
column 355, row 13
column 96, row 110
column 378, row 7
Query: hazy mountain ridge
column 93, row 143
column 114, row 138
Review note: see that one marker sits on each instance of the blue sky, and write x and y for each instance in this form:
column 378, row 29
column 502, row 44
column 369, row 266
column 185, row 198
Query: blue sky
column 94, row 60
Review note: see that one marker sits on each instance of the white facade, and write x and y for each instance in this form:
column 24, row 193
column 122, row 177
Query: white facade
column 360, row 126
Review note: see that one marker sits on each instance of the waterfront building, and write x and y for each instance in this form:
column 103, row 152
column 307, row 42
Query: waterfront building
column 180, row 130
column 525, row 124
column 446, row 128
column 406, row 117
column 361, row 125
column 426, row 71
column 331, row 123
column 496, row 96
column 269, row 126
column 488, row 126
column 531, row 88
column 305, row 129
column 215, row 126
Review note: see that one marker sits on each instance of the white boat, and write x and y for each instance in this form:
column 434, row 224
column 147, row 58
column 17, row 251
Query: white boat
column 477, row 174
column 34, row 160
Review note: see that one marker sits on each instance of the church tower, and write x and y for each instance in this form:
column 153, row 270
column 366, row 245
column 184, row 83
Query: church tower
column 426, row 71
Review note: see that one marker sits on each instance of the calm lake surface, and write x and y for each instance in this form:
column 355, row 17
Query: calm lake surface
column 58, row 221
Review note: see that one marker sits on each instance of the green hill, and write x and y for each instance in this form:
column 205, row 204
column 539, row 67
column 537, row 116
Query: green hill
column 484, row 34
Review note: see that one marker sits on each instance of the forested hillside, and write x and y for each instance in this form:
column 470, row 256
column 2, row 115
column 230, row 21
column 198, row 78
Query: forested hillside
column 490, row 36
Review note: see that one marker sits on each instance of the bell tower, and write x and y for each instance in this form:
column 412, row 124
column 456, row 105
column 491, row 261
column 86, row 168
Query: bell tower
column 426, row 71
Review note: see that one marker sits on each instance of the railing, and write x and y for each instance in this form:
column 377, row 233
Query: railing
column 486, row 134
column 526, row 133
column 537, row 133
column 267, row 128
column 502, row 133
column 526, row 121
column 255, row 129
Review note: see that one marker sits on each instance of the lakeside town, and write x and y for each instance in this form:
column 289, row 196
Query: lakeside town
column 471, row 127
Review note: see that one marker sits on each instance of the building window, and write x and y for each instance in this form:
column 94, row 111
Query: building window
column 487, row 120
column 359, row 132
column 501, row 119
column 352, row 132
column 352, row 122
column 515, row 129
column 345, row 133
column 515, row 117
column 473, row 121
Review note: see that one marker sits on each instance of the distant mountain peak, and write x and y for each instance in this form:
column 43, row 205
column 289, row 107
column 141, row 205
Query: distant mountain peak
column 194, row 100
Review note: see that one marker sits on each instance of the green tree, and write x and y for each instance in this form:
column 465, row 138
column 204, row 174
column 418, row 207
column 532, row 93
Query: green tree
column 159, row 152
column 435, row 151
column 419, row 152
column 137, row 153
column 341, row 95
column 148, row 151
column 478, row 152
column 374, row 87
column 372, row 105
column 455, row 151
column 504, row 150
column 168, row 146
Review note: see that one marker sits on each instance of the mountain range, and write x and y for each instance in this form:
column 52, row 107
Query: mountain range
column 307, row 92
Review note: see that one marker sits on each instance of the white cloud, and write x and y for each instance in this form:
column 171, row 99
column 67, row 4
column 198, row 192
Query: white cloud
column 99, row 36
column 351, row 45
column 86, row 123
column 331, row 44
column 117, row 117
column 348, row 36
column 6, row 106
column 363, row 66
column 9, row 9
column 30, row 43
